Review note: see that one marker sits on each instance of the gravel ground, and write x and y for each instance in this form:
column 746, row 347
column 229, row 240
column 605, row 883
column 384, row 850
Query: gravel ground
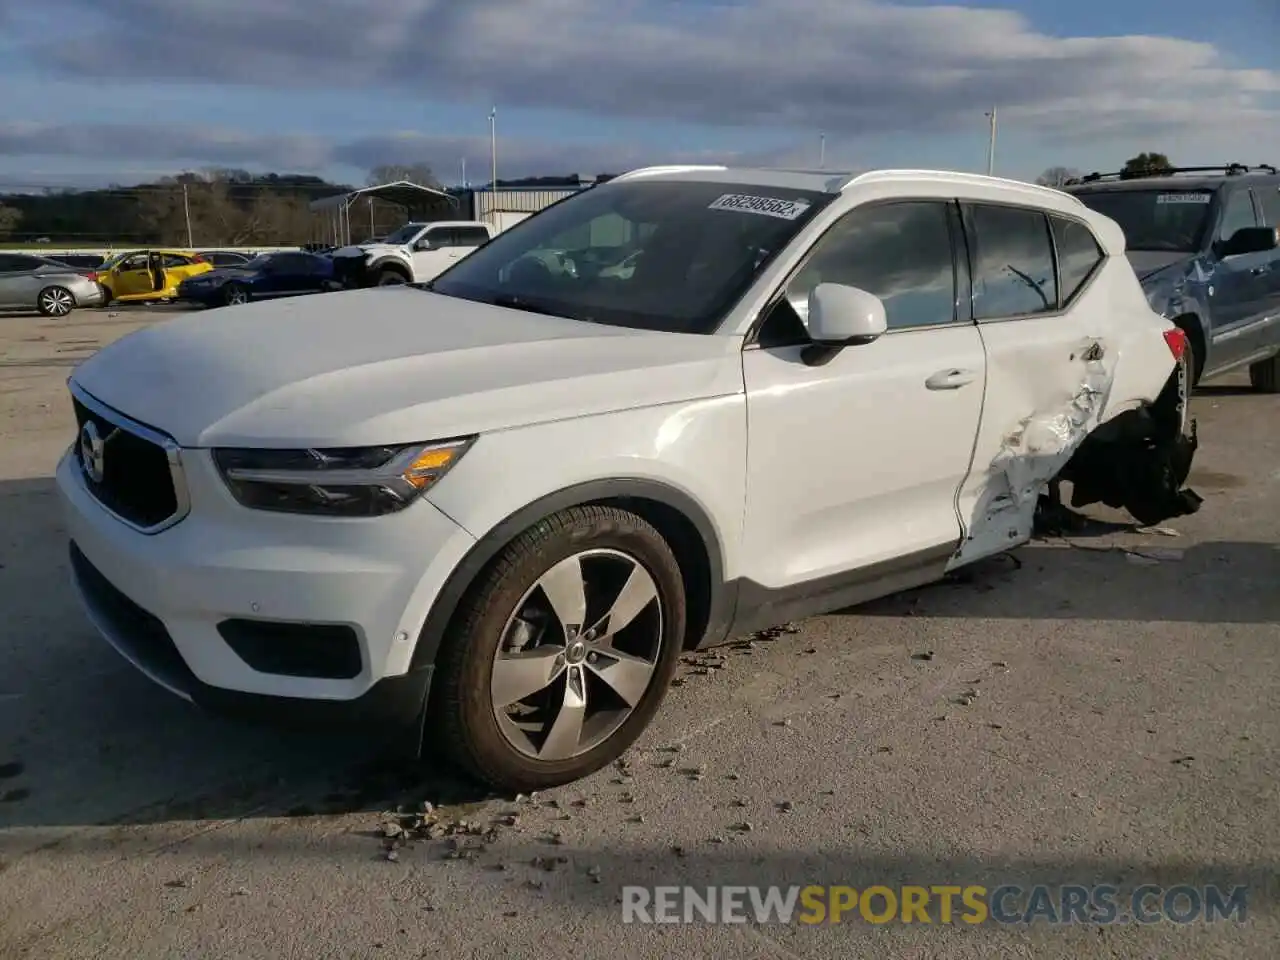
column 1095, row 709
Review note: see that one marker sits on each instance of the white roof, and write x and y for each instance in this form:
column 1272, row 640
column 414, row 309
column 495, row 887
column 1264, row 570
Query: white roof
column 828, row 181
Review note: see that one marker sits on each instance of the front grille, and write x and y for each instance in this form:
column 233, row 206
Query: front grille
column 137, row 482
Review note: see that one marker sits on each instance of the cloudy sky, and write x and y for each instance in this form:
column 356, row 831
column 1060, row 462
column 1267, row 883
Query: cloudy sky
column 122, row 90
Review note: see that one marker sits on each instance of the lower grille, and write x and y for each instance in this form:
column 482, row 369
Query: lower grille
column 130, row 474
column 137, row 630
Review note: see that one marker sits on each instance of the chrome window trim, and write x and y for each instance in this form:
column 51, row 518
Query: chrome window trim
column 173, row 453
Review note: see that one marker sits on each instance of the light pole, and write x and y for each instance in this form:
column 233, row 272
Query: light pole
column 822, row 151
column 991, row 147
column 493, row 145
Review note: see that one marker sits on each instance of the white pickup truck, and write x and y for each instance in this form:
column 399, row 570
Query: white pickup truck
column 415, row 253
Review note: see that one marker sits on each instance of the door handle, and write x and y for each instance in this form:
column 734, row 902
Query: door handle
column 950, row 379
column 1259, row 271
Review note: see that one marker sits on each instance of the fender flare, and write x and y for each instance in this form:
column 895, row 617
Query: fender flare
column 389, row 260
column 722, row 601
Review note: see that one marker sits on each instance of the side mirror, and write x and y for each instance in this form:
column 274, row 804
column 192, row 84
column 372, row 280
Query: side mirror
column 423, row 243
column 841, row 316
column 1251, row 240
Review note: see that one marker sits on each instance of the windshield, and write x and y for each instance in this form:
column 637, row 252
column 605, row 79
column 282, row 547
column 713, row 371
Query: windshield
column 656, row 255
column 112, row 260
column 404, row 234
column 1166, row 220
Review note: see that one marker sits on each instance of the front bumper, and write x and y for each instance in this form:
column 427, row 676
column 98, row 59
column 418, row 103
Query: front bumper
column 165, row 600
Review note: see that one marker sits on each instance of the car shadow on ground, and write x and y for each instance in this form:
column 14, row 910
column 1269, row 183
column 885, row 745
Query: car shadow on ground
column 85, row 740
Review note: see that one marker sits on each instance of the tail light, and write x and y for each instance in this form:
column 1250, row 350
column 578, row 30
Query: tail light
column 1176, row 338
column 91, row 276
column 198, row 259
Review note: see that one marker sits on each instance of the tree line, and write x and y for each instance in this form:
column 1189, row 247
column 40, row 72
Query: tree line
column 1143, row 165
column 213, row 208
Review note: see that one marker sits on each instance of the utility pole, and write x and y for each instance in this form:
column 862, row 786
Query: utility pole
column 991, row 148
column 493, row 146
column 464, row 173
column 822, row 151
column 372, row 229
column 186, row 209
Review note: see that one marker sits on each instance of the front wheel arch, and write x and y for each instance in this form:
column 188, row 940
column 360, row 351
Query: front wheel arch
column 681, row 520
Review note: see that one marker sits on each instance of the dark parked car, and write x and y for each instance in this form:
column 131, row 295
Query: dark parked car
column 1205, row 242
column 263, row 277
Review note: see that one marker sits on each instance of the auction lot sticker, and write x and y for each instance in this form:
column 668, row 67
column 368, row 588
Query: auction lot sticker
column 1184, row 198
column 768, row 206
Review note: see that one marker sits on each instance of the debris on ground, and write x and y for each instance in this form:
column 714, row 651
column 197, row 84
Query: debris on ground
column 1158, row 531
column 925, row 655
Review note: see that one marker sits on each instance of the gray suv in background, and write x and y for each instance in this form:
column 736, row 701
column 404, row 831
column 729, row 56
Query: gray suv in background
column 1205, row 242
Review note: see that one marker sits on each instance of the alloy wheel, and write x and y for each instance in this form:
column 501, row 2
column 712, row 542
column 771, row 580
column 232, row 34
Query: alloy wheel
column 56, row 302
column 577, row 655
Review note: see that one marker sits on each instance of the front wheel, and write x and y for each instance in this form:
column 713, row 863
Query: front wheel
column 55, row 302
column 563, row 651
column 391, row 278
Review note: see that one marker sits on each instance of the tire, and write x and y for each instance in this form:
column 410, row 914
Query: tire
column 388, row 278
column 1264, row 375
column 55, row 302
column 1195, row 341
column 235, row 294
column 468, row 710
column 107, row 296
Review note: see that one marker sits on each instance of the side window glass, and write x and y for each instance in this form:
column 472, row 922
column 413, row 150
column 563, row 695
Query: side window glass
column 1270, row 197
column 900, row 251
column 1078, row 255
column 440, row 237
column 172, row 261
column 1013, row 273
column 136, row 262
column 472, row 236
column 1237, row 214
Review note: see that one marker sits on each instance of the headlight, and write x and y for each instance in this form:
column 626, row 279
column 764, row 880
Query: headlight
column 348, row 482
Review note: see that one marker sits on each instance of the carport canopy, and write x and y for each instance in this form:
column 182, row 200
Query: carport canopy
column 402, row 193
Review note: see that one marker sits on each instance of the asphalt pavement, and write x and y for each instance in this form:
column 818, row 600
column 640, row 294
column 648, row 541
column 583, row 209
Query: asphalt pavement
column 1097, row 708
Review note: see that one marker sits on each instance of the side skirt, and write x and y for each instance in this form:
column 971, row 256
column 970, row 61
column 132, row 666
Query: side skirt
column 761, row 607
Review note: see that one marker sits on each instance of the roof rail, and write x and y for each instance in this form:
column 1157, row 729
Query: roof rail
column 955, row 177
column 673, row 168
column 1229, row 169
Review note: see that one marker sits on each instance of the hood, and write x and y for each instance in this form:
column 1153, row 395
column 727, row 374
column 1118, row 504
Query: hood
column 1148, row 262
column 370, row 249
column 391, row 365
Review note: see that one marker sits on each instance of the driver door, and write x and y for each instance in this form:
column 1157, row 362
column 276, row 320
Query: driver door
column 1238, row 287
column 854, row 465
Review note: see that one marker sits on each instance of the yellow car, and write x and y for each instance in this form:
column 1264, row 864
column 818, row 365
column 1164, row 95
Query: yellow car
column 136, row 275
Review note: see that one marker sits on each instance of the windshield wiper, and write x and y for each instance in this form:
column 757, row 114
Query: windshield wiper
column 513, row 302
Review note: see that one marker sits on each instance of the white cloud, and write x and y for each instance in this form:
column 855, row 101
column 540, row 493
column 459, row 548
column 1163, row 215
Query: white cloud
column 851, row 67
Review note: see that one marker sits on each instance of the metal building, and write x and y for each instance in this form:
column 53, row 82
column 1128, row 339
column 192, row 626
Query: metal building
column 507, row 205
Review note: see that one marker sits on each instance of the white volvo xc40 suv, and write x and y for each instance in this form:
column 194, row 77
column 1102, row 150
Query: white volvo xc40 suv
column 498, row 507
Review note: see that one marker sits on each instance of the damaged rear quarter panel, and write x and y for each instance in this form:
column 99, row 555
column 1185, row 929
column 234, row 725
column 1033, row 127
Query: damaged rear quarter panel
column 1051, row 381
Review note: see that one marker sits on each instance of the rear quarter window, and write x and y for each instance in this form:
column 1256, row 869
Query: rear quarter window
column 1079, row 256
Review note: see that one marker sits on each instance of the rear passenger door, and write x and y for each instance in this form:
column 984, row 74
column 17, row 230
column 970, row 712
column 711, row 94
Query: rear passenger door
column 19, row 284
column 1044, row 356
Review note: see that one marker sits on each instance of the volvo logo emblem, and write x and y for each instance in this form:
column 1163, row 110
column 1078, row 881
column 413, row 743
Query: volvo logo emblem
column 92, row 448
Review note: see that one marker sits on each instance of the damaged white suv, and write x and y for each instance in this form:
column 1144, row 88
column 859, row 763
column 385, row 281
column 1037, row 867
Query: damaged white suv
column 499, row 507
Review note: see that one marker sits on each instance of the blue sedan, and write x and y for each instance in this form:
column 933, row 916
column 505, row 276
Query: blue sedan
column 266, row 276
